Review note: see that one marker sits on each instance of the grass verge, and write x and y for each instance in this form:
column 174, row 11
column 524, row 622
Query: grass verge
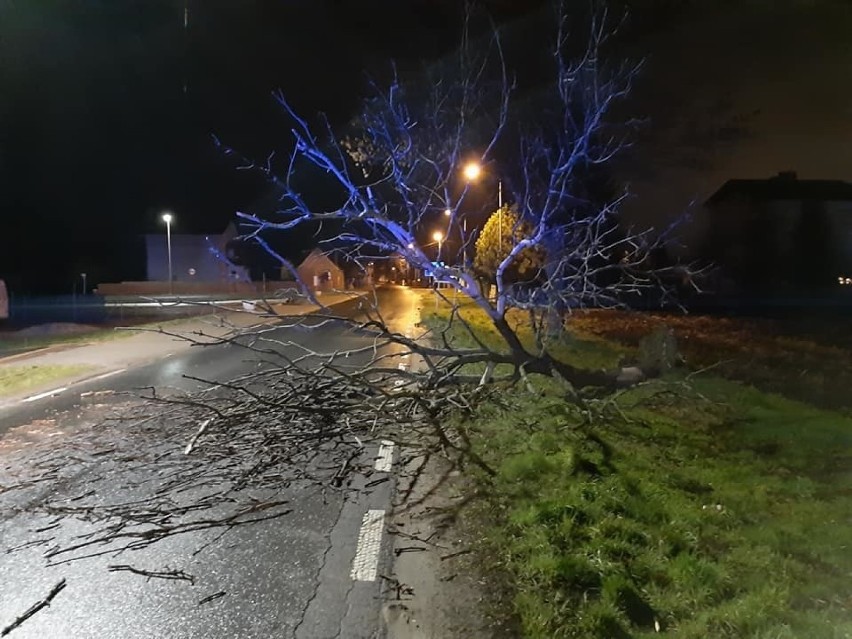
column 808, row 361
column 17, row 379
column 14, row 343
column 690, row 507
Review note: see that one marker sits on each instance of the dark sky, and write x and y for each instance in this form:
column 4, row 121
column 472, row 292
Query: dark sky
column 97, row 136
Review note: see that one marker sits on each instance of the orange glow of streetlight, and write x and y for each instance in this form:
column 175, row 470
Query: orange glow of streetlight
column 438, row 236
column 472, row 171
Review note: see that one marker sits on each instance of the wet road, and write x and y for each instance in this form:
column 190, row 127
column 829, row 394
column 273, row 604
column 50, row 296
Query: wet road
column 314, row 572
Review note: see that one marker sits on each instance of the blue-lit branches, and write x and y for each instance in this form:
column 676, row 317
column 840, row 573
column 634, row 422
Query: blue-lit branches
column 395, row 171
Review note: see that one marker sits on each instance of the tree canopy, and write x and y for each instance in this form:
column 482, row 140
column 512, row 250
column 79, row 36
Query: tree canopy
column 501, row 232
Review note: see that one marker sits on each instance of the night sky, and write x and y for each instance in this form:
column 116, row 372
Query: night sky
column 98, row 137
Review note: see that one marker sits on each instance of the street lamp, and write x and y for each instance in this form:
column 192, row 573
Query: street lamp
column 449, row 213
column 472, row 172
column 439, row 238
column 167, row 218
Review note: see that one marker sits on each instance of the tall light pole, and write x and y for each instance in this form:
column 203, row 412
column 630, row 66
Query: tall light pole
column 439, row 238
column 449, row 213
column 472, row 171
column 167, row 218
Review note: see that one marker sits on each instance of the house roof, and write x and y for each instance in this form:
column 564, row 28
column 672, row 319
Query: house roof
column 784, row 186
column 317, row 258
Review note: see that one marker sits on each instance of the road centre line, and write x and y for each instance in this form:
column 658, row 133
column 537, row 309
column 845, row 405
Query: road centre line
column 55, row 391
column 385, row 458
column 365, row 565
column 105, row 375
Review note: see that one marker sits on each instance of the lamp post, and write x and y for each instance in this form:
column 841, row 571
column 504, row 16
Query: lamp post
column 439, row 238
column 448, row 213
column 167, row 218
column 472, row 171
column 83, row 275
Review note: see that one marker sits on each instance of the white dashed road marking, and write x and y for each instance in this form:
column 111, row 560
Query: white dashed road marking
column 385, row 458
column 105, row 375
column 55, row 391
column 366, row 562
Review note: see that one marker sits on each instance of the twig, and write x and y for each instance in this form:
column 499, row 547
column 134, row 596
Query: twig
column 44, row 603
column 195, row 437
column 175, row 575
column 213, row 597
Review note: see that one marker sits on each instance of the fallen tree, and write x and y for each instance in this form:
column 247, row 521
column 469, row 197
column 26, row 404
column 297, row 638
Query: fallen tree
column 396, row 173
column 308, row 415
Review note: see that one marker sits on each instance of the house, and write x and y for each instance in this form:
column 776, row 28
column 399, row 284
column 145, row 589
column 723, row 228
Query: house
column 781, row 235
column 318, row 272
column 194, row 257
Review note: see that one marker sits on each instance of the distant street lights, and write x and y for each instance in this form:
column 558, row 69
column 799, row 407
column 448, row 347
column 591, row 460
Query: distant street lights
column 167, row 218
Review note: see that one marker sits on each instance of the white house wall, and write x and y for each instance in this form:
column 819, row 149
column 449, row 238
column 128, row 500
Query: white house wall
column 192, row 259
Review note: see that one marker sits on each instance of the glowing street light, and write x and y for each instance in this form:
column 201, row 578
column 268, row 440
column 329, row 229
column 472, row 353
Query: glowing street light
column 167, row 218
column 439, row 238
column 472, row 172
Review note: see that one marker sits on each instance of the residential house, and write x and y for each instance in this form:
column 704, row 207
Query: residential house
column 318, row 272
column 781, row 235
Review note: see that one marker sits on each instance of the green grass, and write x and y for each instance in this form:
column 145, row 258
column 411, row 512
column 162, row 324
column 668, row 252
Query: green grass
column 726, row 519
column 17, row 379
column 590, row 351
column 15, row 344
column 701, row 507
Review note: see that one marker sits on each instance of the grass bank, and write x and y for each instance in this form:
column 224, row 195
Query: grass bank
column 809, row 361
column 18, row 379
column 691, row 507
column 14, row 342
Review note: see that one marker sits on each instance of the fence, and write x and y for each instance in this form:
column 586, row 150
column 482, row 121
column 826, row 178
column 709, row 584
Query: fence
column 83, row 309
column 157, row 289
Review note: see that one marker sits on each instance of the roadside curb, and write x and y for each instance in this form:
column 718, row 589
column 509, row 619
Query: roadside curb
column 60, row 347
column 26, row 354
column 113, row 368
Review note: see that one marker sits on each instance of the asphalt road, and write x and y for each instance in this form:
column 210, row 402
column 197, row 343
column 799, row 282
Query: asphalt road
column 302, row 574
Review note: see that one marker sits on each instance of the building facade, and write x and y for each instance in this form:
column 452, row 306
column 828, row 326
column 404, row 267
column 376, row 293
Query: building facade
column 195, row 258
column 781, row 235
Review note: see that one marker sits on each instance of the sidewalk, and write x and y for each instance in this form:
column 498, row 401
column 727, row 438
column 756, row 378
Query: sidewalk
column 138, row 347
